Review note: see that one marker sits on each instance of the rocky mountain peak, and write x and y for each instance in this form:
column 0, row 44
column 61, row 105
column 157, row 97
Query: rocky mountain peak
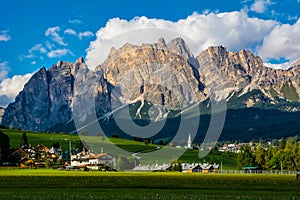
column 140, row 64
column 159, row 73
column 243, row 72
column 45, row 100
column 161, row 43
column 296, row 64
column 178, row 46
column 217, row 51
column 79, row 60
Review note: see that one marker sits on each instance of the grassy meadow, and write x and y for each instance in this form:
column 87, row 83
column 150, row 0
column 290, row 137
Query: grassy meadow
column 54, row 184
column 35, row 138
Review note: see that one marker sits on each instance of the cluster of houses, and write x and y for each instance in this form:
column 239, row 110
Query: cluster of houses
column 93, row 160
column 186, row 168
column 38, row 156
column 41, row 156
column 204, row 167
column 235, row 148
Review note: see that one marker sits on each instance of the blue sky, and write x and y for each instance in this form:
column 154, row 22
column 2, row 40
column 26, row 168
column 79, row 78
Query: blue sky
column 38, row 33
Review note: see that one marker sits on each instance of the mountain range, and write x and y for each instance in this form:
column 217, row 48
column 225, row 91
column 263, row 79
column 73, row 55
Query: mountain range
column 161, row 81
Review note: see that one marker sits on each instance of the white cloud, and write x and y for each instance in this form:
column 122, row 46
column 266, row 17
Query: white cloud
column 58, row 53
column 85, row 34
column 80, row 35
column 49, row 45
column 260, row 6
column 4, row 36
column 234, row 30
column 39, row 48
column 10, row 87
column 3, row 70
column 75, row 21
column 53, row 33
column 23, row 57
column 291, row 18
column 49, row 49
column 282, row 42
column 70, row 31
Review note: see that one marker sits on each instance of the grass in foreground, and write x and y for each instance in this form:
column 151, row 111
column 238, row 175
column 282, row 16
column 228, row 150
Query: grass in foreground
column 53, row 184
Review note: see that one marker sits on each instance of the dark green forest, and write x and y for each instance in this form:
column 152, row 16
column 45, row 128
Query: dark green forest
column 285, row 156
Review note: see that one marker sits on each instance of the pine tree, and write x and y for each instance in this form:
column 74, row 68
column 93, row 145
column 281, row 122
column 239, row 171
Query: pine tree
column 24, row 140
column 260, row 154
column 246, row 157
column 4, row 145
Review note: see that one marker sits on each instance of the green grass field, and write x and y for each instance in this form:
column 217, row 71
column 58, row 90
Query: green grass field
column 54, row 184
column 35, row 138
column 48, row 139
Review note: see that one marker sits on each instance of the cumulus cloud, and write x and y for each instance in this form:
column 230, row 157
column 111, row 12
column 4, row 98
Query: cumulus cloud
column 75, row 21
column 4, row 36
column 282, row 42
column 53, row 33
column 235, row 30
column 10, row 87
column 58, row 53
column 260, row 6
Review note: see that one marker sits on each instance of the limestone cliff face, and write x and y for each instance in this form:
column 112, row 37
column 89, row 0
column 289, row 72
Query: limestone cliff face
column 45, row 100
column 159, row 73
column 227, row 73
column 162, row 73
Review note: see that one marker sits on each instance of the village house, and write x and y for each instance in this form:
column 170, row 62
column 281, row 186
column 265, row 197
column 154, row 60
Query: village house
column 189, row 168
column 93, row 160
column 204, row 168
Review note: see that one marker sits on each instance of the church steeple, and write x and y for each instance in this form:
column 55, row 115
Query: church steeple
column 189, row 142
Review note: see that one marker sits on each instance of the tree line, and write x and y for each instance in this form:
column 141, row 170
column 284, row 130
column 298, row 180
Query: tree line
column 4, row 147
column 285, row 156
